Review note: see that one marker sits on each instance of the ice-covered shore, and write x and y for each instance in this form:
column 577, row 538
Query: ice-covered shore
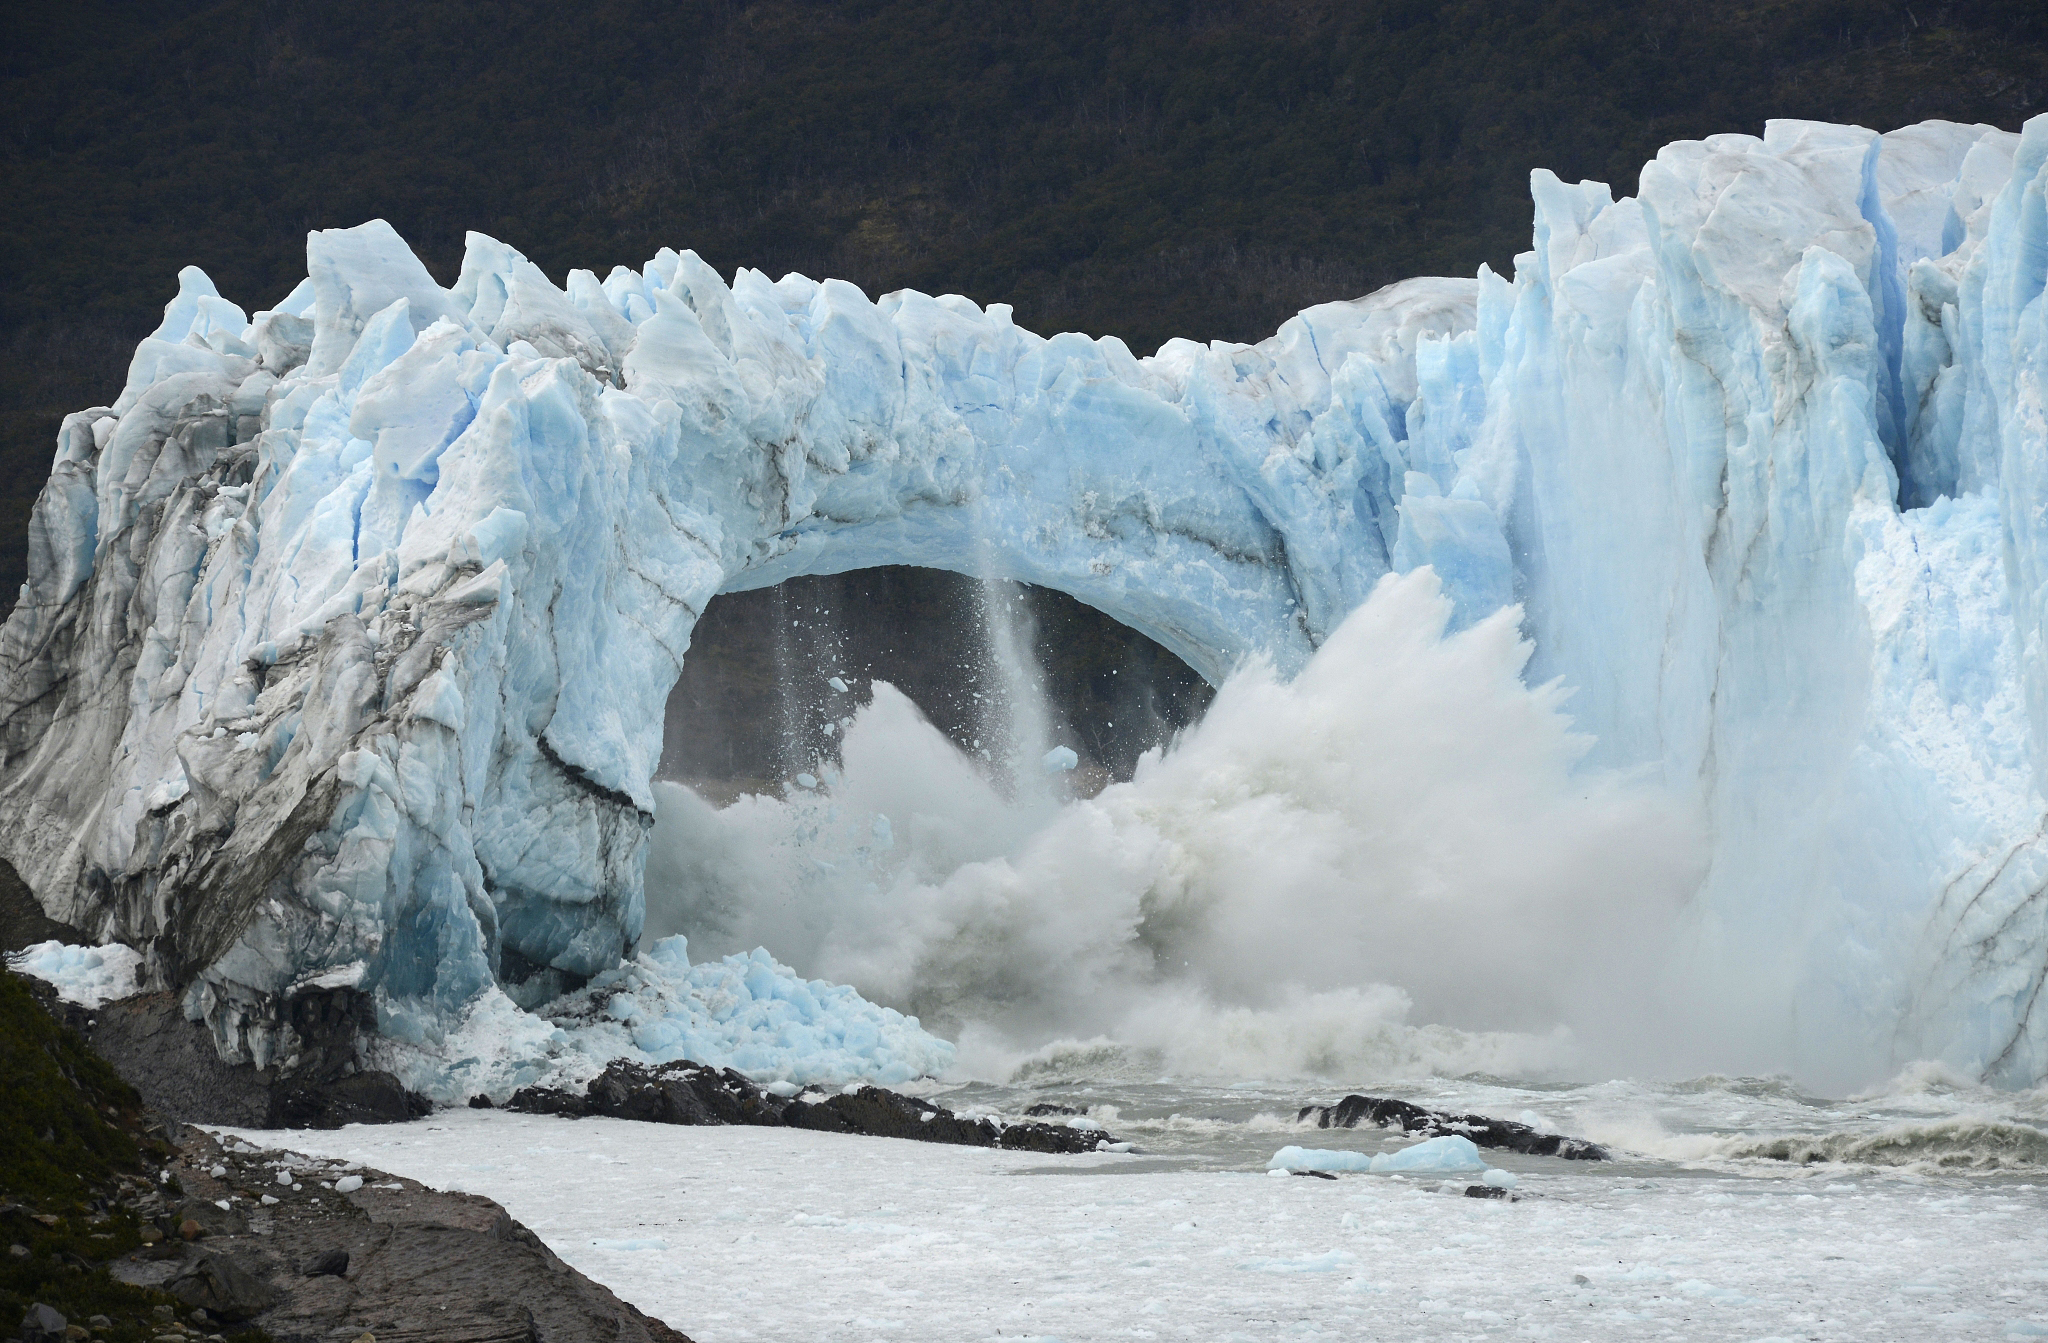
column 349, row 627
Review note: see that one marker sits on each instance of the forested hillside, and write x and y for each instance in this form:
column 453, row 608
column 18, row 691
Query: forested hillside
column 1148, row 168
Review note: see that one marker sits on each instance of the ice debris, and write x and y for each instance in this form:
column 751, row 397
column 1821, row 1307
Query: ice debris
column 1447, row 1155
column 745, row 1012
column 87, row 976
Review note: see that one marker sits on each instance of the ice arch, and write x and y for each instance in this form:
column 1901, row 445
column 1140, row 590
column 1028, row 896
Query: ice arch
column 395, row 580
column 343, row 655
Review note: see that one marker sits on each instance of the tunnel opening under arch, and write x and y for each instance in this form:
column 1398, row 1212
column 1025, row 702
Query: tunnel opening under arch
column 755, row 703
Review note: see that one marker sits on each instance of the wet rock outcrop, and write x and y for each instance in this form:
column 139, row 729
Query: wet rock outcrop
column 689, row 1093
column 1504, row 1134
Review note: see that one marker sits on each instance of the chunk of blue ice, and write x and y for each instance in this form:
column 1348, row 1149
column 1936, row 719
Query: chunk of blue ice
column 1447, row 1155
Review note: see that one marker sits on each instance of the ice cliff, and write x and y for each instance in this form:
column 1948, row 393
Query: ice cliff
column 350, row 624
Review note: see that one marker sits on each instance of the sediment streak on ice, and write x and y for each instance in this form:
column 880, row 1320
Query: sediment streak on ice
column 349, row 626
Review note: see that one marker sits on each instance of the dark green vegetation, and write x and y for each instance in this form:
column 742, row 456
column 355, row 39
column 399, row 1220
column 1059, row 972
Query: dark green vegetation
column 1147, row 169
column 73, row 1142
column 62, row 1138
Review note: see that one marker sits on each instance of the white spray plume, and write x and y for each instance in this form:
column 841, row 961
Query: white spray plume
column 1400, row 834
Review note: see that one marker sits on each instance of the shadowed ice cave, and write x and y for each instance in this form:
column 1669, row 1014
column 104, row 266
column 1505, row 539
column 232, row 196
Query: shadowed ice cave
column 755, row 704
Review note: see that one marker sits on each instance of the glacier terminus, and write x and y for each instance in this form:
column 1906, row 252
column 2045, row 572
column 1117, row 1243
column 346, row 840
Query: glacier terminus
column 350, row 623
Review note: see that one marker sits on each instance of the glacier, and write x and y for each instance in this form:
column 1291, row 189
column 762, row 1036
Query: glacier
column 350, row 623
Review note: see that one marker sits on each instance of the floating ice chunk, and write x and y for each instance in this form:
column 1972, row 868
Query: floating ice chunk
column 1451, row 1154
column 1317, row 1158
column 1448, row 1155
column 1496, row 1178
column 1329, row 1261
column 87, row 976
column 807, row 781
column 1061, row 758
column 837, row 685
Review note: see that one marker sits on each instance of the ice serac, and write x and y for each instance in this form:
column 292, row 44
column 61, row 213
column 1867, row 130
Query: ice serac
column 350, row 624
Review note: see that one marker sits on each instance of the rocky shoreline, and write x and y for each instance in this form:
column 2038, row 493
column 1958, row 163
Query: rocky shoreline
column 125, row 1226
column 314, row 1251
column 219, row 1238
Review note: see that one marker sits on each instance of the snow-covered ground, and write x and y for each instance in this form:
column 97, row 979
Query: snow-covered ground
column 733, row 1234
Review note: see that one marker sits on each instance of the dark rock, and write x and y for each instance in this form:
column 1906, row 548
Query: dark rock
column 420, row 1265
column 548, row 1101
column 330, row 1264
column 480, row 1103
column 673, row 1093
column 173, row 1063
column 210, row 1218
column 714, row 1095
column 887, row 1114
column 1051, row 1108
column 42, row 1324
column 397, row 1261
column 1314, row 1174
column 218, row 1284
column 1504, row 1134
column 1055, row 1138
column 22, row 920
column 690, row 1093
column 359, row 1098
column 1484, row 1191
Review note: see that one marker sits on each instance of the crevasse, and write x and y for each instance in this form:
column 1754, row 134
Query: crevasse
column 349, row 627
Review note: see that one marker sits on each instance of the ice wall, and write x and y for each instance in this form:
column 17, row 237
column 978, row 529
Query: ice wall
column 349, row 626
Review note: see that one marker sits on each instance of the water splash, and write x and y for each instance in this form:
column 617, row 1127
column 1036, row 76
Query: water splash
column 1400, row 835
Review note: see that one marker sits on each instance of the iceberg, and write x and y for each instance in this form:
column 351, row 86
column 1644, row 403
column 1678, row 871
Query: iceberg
column 1448, row 1154
column 350, row 623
